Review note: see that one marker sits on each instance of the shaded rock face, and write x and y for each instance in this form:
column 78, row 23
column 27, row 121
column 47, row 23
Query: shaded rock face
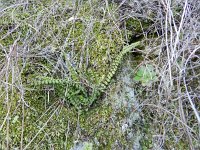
column 119, row 128
column 123, row 98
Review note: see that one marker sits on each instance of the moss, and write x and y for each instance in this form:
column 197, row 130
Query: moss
column 92, row 41
column 65, row 126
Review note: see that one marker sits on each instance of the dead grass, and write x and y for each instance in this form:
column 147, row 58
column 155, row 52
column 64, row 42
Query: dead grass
column 173, row 102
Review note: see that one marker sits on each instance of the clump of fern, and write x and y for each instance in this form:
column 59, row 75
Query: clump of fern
column 75, row 91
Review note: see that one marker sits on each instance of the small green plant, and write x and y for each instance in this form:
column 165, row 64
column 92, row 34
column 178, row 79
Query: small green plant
column 146, row 75
column 75, row 91
column 87, row 146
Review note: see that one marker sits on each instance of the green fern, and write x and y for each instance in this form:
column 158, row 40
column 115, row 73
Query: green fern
column 49, row 81
column 116, row 63
column 74, row 91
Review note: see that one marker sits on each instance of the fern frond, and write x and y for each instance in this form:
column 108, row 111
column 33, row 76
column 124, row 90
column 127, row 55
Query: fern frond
column 116, row 63
column 74, row 91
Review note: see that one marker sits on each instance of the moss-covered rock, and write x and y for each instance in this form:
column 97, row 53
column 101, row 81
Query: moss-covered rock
column 38, row 34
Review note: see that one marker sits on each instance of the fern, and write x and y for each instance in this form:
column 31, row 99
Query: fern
column 74, row 91
column 49, row 81
column 115, row 65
